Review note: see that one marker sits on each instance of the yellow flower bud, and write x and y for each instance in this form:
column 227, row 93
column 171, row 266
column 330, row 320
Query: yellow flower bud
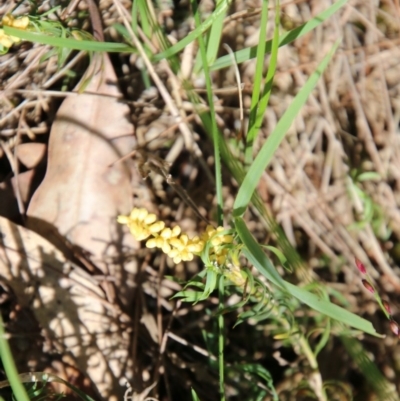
column 156, row 227
column 177, row 243
column 123, row 219
column 150, row 218
column 166, row 233
column 195, row 248
column 5, row 40
column 21, row 22
column 151, row 243
column 142, row 214
column 8, row 20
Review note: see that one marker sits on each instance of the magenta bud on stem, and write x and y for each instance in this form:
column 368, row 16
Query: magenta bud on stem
column 394, row 327
column 360, row 266
column 387, row 307
column 368, row 286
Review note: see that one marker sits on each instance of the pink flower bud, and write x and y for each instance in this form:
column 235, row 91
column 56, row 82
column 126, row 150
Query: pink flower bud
column 368, row 286
column 387, row 307
column 394, row 327
column 360, row 266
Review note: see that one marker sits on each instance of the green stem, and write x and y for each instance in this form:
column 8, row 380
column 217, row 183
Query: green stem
column 312, row 360
column 221, row 338
column 9, row 366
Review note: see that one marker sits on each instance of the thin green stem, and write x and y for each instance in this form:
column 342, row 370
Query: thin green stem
column 221, row 338
column 9, row 366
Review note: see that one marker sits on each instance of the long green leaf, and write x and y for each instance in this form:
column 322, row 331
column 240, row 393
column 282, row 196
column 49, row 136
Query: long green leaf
column 257, row 257
column 68, row 43
column 257, row 118
column 250, row 52
column 255, row 96
column 266, row 153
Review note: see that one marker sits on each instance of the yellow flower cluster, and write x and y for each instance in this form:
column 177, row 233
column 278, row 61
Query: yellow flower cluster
column 8, row 20
column 141, row 223
column 179, row 247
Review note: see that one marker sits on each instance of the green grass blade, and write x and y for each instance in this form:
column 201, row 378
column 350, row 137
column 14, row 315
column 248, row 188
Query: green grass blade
column 266, row 153
column 7, row 360
column 257, row 257
column 68, row 43
column 250, row 52
column 214, row 128
column 214, row 38
column 255, row 97
column 257, row 254
column 134, row 16
column 194, row 395
column 381, row 386
column 221, row 9
column 144, row 17
column 257, row 118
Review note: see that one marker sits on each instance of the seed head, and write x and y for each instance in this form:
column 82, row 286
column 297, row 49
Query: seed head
column 360, row 266
column 387, row 307
column 368, row 286
column 394, row 327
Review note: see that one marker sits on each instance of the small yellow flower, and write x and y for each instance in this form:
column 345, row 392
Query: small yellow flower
column 19, row 22
column 8, row 20
column 141, row 223
column 184, row 248
column 164, row 239
column 6, row 40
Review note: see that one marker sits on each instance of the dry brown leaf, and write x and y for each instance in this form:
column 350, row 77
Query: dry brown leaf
column 68, row 304
column 30, row 154
column 81, row 195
